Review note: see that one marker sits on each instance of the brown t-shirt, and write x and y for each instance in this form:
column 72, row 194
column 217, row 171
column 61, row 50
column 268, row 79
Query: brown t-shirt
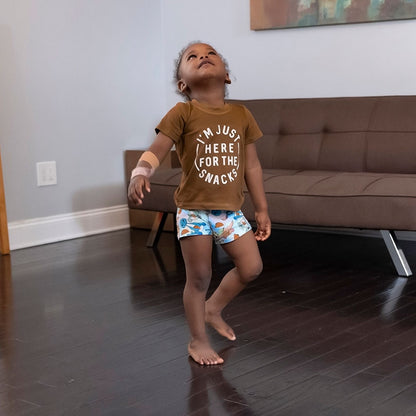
column 210, row 143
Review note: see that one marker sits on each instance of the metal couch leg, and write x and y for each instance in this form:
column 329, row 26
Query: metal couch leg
column 396, row 253
column 157, row 229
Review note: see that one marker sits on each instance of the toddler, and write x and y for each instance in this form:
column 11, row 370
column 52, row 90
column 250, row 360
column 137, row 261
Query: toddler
column 215, row 143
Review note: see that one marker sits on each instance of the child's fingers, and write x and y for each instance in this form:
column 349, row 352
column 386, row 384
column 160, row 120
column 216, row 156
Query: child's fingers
column 144, row 186
column 267, row 231
column 147, row 185
column 262, row 233
column 258, row 235
column 136, row 197
column 136, row 188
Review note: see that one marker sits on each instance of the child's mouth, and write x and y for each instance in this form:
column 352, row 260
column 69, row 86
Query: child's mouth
column 204, row 63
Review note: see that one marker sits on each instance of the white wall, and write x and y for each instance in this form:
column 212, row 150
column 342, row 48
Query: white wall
column 79, row 83
column 344, row 60
column 83, row 80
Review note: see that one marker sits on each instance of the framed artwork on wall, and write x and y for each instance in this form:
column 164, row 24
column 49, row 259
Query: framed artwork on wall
column 283, row 14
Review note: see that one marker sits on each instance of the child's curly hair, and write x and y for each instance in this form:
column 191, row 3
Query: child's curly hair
column 177, row 64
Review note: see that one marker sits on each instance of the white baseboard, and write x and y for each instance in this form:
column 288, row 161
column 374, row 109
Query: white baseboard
column 45, row 230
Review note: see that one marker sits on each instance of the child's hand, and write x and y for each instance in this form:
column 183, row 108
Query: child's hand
column 264, row 227
column 137, row 186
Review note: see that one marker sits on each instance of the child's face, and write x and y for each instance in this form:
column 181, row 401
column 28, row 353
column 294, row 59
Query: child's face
column 200, row 62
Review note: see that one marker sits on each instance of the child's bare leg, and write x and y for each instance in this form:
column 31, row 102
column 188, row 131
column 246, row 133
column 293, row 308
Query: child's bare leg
column 196, row 251
column 248, row 265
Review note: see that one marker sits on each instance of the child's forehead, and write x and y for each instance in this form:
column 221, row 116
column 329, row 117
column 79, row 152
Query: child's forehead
column 196, row 46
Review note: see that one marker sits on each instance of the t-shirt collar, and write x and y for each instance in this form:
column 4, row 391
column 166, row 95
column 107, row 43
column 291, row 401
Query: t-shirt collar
column 211, row 109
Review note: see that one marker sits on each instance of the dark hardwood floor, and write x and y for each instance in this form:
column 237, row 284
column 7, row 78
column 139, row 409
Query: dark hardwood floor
column 95, row 326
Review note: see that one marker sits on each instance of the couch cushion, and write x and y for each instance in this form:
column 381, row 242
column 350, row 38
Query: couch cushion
column 391, row 152
column 329, row 198
column 325, row 198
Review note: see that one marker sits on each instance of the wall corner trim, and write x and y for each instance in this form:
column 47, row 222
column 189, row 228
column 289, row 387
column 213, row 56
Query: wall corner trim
column 45, row 230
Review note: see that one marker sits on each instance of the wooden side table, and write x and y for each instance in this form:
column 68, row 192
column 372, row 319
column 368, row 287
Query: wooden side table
column 4, row 232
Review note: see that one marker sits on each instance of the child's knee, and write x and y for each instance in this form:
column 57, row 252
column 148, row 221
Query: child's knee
column 257, row 269
column 199, row 280
column 253, row 271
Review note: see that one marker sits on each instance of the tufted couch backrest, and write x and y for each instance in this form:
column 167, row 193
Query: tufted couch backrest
column 351, row 134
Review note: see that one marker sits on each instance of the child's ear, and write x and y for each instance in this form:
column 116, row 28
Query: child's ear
column 227, row 79
column 181, row 86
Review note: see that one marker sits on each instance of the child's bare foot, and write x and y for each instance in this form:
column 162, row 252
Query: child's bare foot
column 216, row 321
column 202, row 353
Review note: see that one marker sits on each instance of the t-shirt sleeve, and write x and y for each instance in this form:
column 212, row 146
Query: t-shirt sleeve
column 172, row 124
column 253, row 131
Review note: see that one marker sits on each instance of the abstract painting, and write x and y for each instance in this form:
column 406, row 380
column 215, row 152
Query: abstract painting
column 280, row 14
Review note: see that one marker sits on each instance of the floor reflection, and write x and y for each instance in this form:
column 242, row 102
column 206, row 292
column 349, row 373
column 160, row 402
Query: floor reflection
column 393, row 294
column 152, row 265
column 5, row 280
column 211, row 394
column 6, row 298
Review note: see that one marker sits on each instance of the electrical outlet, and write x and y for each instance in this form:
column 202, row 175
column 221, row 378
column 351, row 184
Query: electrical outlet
column 46, row 173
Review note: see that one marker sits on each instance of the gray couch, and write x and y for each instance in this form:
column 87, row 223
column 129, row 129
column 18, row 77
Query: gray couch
column 332, row 162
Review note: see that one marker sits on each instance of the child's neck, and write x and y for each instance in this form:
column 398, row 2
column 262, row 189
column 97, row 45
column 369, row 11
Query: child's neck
column 211, row 98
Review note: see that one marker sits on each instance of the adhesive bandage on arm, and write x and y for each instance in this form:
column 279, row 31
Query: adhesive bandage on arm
column 152, row 160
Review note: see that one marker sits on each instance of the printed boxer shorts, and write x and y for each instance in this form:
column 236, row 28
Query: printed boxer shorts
column 224, row 226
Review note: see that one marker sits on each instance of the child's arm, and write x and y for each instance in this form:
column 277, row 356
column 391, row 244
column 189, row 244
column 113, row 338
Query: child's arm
column 140, row 183
column 254, row 181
